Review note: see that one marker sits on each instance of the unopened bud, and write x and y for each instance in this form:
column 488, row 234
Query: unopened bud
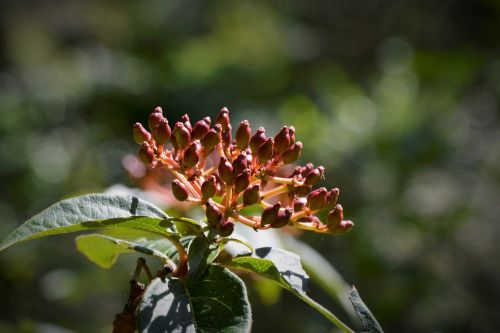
column 180, row 191
column 282, row 140
column 146, row 154
column 302, row 190
column 227, row 136
column 257, row 140
column 192, row 155
column 162, row 132
column 298, row 204
column 226, row 171
column 223, row 118
column 185, row 120
column 306, row 169
column 240, row 163
column 335, row 216
column 214, row 215
column 208, row 188
column 212, row 138
column 341, row 228
column 292, row 154
column 291, row 132
column 141, row 134
column 200, row 129
column 331, row 198
column 226, row 228
column 316, row 199
column 182, row 136
column 314, row 176
column 243, row 135
column 242, row 181
column 283, row 218
column 251, row 195
column 270, row 214
column 266, row 150
column 154, row 118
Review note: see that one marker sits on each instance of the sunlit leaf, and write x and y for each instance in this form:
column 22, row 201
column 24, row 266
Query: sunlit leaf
column 201, row 253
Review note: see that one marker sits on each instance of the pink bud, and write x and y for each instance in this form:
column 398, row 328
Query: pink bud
column 302, row 190
column 270, row 214
column 185, row 120
column 162, row 132
column 314, row 176
column 335, row 216
column 226, row 171
column 266, row 150
column 291, row 132
column 298, row 204
column 282, row 140
column 257, row 140
column 240, row 163
column 146, row 154
column 140, row 134
column 316, row 199
column 223, row 118
column 243, row 135
column 208, row 188
column 226, row 228
column 182, row 136
column 227, row 136
column 292, row 154
column 200, row 129
column 251, row 195
column 214, row 215
column 282, row 219
column 242, row 181
column 191, row 155
column 212, row 138
column 154, row 118
column 179, row 190
column 331, row 198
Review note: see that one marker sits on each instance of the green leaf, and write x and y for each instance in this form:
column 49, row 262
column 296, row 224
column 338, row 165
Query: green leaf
column 370, row 324
column 92, row 211
column 104, row 250
column 216, row 303
column 185, row 226
column 284, row 268
column 201, row 253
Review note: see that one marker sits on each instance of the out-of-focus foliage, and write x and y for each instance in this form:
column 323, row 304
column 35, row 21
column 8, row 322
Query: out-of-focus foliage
column 398, row 100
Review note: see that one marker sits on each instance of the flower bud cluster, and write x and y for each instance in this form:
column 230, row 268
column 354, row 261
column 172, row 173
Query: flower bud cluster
column 226, row 174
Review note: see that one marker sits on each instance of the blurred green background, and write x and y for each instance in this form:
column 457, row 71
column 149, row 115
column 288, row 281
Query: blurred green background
column 397, row 99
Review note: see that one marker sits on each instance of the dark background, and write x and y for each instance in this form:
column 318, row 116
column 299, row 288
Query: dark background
column 397, row 99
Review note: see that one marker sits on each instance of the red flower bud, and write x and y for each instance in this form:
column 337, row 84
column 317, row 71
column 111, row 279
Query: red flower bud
column 306, row 169
column 292, row 154
column 331, row 198
column 242, row 181
column 214, row 215
column 257, row 140
column 212, row 138
column 283, row 218
column 146, row 154
column 291, row 132
column 140, row 134
column 154, row 118
column 343, row 227
column 240, row 163
column 208, row 188
column 302, row 190
column 200, row 129
column 316, row 199
column 179, row 190
column 298, row 204
column 266, row 150
column 270, row 214
column 223, row 118
column 282, row 140
column 226, row 171
column 191, row 155
column 243, row 135
column 314, row 176
column 335, row 216
column 185, row 120
column 227, row 136
column 162, row 132
column 251, row 195
column 182, row 136
column 226, row 228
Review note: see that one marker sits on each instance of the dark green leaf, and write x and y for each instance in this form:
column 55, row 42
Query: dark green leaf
column 201, row 253
column 103, row 250
column 284, row 268
column 92, row 211
column 370, row 324
column 216, row 303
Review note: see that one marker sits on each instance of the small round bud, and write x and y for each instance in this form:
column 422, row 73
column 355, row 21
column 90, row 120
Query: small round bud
column 283, row 218
column 200, row 129
column 162, row 132
column 185, row 120
column 292, row 154
column 257, row 140
column 146, row 154
column 214, row 215
column 179, row 190
column 226, row 171
column 227, row 136
column 141, row 134
column 314, row 176
column 191, row 155
column 335, row 216
column 154, row 118
column 266, row 150
column 270, row 214
column 331, row 198
column 208, row 188
column 299, row 204
column 282, row 141
column 223, row 118
column 251, row 195
column 242, row 181
column 306, row 169
column 212, row 138
column 226, row 228
column 343, row 227
column 316, row 199
column 240, row 163
column 182, row 136
column 243, row 135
